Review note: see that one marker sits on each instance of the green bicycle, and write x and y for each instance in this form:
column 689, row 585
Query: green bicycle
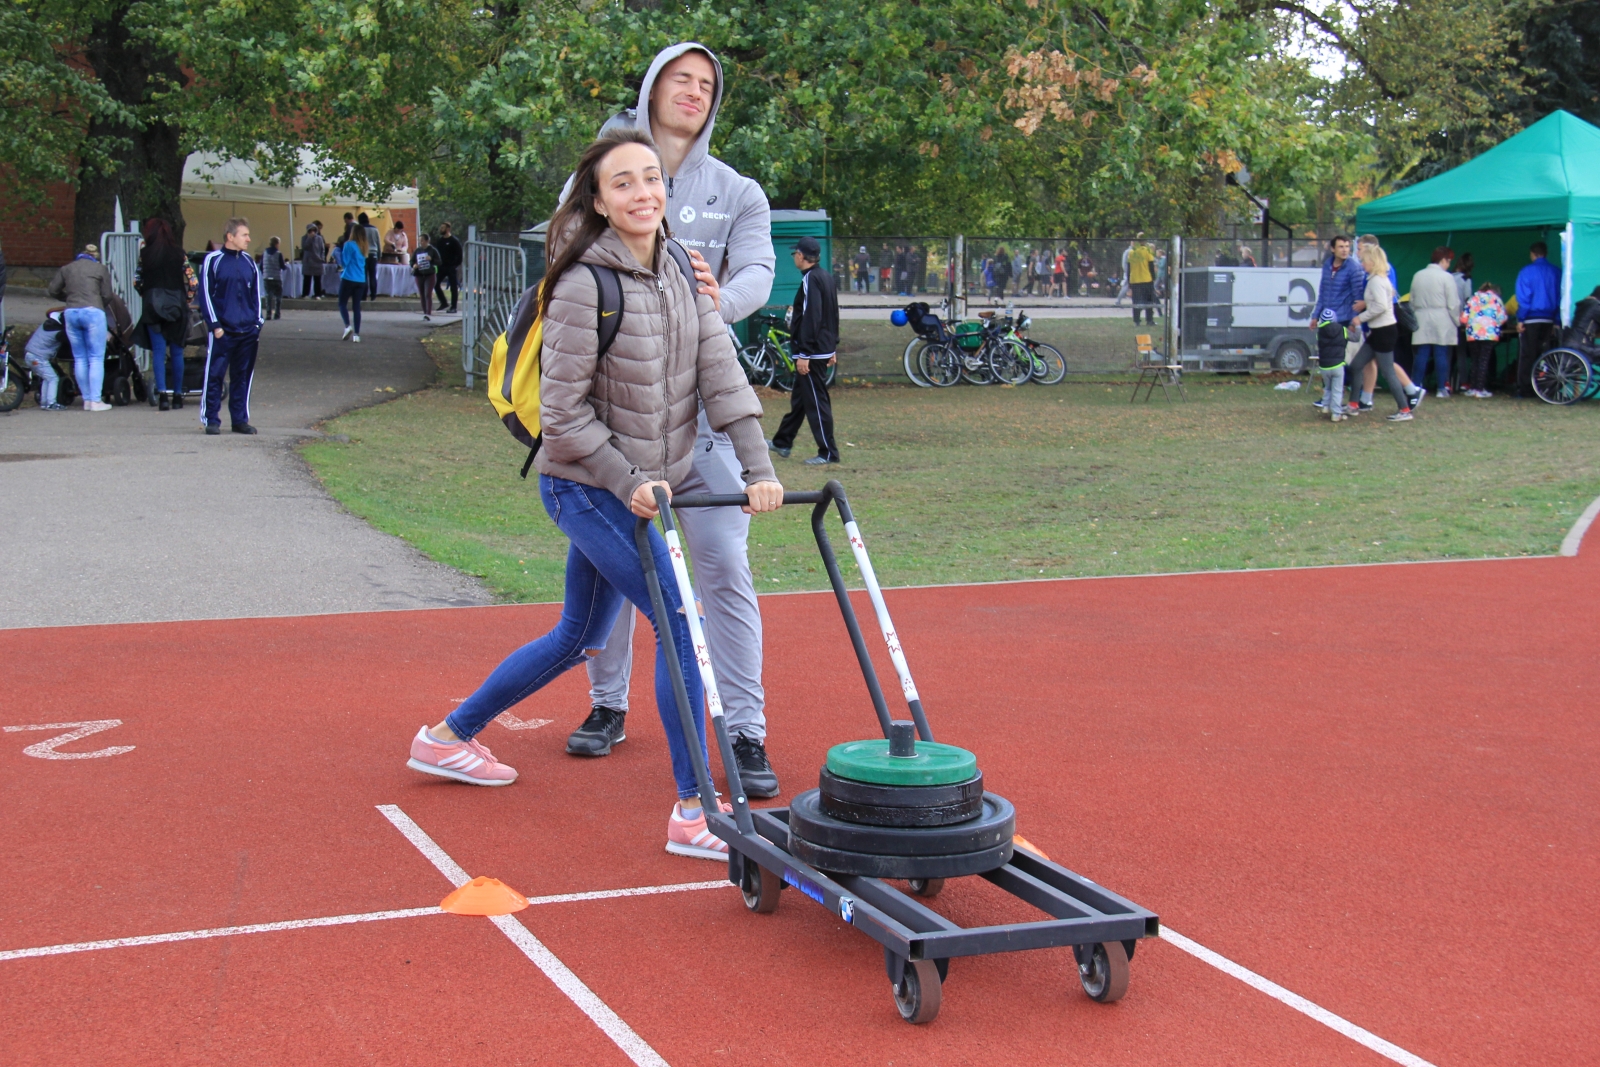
column 767, row 360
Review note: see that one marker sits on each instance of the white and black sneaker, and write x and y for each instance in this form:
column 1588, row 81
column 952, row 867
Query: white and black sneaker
column 755, row 770
column 602, row 729
column 1417, row 398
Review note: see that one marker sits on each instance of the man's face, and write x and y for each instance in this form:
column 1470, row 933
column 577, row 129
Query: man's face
column 1341, row 250
column 238, row 240
column 681, row 98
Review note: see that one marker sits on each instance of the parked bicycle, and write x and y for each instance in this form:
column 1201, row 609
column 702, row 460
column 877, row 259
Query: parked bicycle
column 768, row 361
column 995, row 348
column 16, row 380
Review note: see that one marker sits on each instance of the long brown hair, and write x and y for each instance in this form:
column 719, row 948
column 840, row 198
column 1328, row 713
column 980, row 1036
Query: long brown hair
column 576, row 224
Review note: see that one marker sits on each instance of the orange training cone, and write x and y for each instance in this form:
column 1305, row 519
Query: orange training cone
column 1022, row 842
column 484, row 896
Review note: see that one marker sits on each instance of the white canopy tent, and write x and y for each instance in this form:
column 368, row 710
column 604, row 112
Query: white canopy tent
column 215, row 190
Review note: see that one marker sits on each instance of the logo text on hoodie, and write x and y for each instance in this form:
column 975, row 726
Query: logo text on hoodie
column 686, row 215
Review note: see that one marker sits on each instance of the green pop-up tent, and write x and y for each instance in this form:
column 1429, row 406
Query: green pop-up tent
column 1541, row 185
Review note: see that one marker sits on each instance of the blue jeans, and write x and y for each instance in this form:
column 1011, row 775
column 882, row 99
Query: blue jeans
column 603, row 574
column 349, row 292
column 167, row 361
column 1419, row 365
column 86, row 333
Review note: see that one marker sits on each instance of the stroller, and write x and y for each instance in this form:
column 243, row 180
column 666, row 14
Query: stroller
column 124, row 382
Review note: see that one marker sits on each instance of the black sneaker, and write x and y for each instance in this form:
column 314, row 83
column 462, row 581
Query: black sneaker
column 602, row 729
column 755, row 770
column 213, row 430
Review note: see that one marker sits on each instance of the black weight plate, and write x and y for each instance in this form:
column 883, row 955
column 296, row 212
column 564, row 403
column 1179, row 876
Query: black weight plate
column 840, row 861
column 899, row 796
column 997, row 825
column 883, row 815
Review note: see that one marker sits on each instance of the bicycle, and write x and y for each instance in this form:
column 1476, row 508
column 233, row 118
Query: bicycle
column 16, row 380
column 1049, row 365
column 769, row 362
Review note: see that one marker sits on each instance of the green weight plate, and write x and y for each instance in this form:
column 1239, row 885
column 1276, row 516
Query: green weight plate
column 869, row 761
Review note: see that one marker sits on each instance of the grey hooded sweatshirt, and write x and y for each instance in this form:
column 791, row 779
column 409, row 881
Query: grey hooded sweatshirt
column 711, row 207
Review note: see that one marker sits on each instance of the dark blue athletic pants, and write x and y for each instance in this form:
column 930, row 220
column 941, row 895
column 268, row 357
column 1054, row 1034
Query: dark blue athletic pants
column 233, row 354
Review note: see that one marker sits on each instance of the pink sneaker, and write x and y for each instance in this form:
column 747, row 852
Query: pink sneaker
column 465, row 761
column 689, row 837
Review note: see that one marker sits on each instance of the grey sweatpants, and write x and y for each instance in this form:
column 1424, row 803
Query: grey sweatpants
column 1333, row 390
column 718, row 540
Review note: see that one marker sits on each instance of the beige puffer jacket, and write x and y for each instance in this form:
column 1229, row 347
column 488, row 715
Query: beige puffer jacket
column 631, row 418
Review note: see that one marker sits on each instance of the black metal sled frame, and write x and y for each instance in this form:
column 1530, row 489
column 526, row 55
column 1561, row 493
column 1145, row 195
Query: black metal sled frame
column 1100, row 926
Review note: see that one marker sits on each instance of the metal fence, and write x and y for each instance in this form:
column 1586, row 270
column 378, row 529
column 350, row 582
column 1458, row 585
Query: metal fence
column 495, row 279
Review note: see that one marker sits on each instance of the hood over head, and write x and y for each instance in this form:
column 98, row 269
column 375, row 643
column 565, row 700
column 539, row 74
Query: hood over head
column 641, row 118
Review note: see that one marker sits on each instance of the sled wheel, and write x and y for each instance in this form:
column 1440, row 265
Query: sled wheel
column 760, row 888
column 926, row 887
column 1105, row 975
column 917, row 996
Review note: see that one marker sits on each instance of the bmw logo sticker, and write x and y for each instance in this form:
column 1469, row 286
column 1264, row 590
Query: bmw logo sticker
column 847, row 909
column 686, row 216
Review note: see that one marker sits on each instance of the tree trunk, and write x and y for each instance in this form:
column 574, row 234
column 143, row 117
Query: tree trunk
column 149, row 157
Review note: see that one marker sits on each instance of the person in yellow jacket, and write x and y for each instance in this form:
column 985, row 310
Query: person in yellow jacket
column 1142, row 281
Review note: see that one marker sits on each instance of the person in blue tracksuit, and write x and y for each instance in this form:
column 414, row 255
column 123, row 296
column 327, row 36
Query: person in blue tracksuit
column 230, row 301
column 1538, row 311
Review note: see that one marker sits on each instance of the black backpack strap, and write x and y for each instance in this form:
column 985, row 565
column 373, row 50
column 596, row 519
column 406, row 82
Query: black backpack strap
column 608, row 309
column 677, row 252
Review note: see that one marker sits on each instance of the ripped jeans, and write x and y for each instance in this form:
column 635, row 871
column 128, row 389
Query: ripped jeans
column 603, row 571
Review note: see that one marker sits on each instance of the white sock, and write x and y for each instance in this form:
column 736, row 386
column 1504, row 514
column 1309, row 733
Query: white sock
column 685, row 816
column 440, row 740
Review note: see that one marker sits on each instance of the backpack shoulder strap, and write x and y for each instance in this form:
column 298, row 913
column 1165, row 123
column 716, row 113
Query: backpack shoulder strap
column 679, row 254
column 608, row 309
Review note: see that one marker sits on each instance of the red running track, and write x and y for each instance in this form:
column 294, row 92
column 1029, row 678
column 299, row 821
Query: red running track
column 1374, row 786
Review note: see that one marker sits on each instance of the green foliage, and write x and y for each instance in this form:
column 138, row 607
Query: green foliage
column 46, row 102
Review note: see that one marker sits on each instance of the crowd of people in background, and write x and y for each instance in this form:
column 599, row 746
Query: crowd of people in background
column 1453, row 326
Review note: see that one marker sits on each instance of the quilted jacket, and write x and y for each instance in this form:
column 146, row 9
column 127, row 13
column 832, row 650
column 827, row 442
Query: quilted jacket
column 629, row 418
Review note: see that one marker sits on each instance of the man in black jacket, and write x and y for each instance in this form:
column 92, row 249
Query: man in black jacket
column 813, row 337
column 451, row 256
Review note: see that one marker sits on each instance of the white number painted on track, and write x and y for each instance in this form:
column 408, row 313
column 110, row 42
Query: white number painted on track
column 511, row 722
column 76, row 731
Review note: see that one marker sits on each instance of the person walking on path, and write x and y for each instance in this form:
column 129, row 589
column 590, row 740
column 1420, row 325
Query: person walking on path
column 1481, row 321
column 451, row 256
column 814, row 336
column 313, row 257
column 1538, row 311
column 163, row 284
column 423, row 268
column 723, row 219
column 1369, row 376
column 230, row 300
column 863, row 269
column 84, row 285
column 353, row 263
column 371, row 245
column 1002, row 272
column 1377, row 313
column 602, row 461
column 1142, row 279
column 902, row 271
column 272, row 278
column 1436, row 300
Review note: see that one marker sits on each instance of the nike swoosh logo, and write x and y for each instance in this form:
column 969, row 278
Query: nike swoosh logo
column 607, row 314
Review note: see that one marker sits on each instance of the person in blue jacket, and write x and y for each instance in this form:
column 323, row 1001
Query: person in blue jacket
column 1538, row 310
column 230, row 301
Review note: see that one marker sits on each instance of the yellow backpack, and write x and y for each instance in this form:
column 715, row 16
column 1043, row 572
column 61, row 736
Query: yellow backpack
column 513, row 376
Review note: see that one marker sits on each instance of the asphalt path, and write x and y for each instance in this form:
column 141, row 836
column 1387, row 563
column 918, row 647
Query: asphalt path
column 135, row 515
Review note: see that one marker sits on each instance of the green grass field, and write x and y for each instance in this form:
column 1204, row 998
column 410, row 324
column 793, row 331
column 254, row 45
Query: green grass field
column 968, row 484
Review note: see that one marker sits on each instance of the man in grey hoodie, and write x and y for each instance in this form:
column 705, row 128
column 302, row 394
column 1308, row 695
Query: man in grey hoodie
column 724, row 220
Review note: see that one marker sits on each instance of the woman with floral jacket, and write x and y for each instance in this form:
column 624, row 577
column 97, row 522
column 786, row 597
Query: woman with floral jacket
column 1483, row 316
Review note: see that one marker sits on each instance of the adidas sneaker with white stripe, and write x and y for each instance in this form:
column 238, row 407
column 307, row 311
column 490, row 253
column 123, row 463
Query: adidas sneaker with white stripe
column 465, row 761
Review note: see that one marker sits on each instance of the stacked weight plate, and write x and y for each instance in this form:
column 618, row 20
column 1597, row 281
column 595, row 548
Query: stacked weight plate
column 901, row 808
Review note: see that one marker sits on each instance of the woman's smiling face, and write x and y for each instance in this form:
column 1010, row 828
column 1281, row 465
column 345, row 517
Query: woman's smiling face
column 633, row 193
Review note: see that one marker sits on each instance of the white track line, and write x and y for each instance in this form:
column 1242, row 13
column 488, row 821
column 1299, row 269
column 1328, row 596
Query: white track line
column 335, row 920
column 1294, row 1000
column 1574, row 538
column 220, row 931
column 635, row 1047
